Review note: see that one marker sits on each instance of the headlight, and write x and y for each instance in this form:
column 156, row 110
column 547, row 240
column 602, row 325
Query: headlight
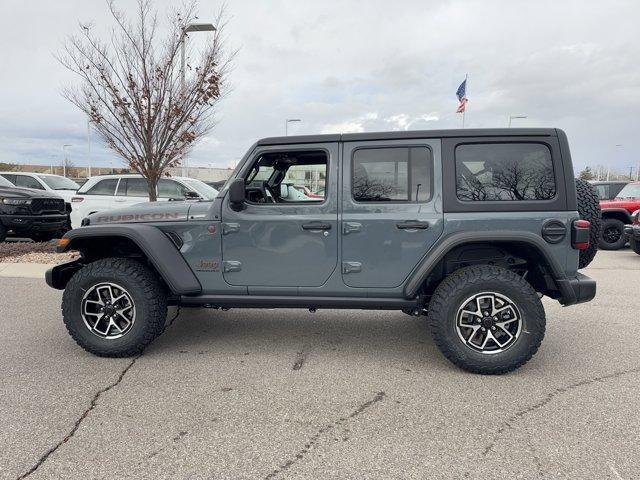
column 16, row 201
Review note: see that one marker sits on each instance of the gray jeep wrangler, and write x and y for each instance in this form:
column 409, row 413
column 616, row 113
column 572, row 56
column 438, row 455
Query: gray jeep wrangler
column 467, row 227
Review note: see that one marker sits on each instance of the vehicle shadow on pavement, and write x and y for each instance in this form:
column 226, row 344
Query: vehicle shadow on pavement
column 382, row 335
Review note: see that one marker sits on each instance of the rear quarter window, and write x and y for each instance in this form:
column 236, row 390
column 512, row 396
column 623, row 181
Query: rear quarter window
column 504, row 172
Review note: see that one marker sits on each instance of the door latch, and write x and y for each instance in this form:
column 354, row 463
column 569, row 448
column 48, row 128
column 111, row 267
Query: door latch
column 351, row 227
column 231, row 266
column 228, row 228
column 351, row 267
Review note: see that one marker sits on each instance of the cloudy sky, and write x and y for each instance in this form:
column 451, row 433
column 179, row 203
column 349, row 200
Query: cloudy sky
column 359, row 66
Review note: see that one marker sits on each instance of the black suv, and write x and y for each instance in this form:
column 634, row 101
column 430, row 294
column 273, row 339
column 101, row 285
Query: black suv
column 30, row 213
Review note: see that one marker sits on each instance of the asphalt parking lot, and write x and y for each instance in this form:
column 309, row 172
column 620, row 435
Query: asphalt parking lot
column 335, row 394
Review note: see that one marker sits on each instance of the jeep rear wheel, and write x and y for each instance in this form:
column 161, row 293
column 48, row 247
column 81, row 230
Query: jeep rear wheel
column 589, row 209
column 486, row 319
column 114, row 307
column 612, row 236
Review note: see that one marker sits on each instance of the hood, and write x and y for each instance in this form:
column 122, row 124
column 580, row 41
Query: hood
column 149, row 212
column 20, row 192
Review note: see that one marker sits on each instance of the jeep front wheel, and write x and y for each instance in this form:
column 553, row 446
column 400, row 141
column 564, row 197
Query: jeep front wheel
column 486, row 319
column 114, row 307
column 612, row 235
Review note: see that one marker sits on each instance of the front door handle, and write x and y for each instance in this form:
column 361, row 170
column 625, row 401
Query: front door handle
column 412, row 225
column 316, row 226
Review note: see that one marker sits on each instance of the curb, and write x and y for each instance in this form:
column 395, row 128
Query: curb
column 24, row 270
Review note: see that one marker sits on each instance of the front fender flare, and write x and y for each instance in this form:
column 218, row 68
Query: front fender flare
column 156, row 246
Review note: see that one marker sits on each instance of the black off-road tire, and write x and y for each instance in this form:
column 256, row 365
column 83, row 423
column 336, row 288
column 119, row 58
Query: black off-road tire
column 146, row 291
column 609, row 225
column 635, row 245
column 589, row 209
column 3, row 233
column 469, row 281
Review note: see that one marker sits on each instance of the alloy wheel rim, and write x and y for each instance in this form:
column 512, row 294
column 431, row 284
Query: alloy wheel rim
column 488, row 323
column 108, row 310
column 611, row 235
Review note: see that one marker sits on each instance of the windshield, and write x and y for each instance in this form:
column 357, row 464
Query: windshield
column 202, row 188
column 59, row 183
column 632, row 190
column 5, row 183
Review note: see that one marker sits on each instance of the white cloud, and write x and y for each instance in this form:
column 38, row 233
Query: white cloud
column 365, row 69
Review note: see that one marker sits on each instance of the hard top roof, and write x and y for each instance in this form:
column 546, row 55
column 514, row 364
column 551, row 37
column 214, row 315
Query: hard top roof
column 409, row 134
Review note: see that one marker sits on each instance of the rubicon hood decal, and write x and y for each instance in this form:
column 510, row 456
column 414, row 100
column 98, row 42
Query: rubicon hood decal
column 145, row 212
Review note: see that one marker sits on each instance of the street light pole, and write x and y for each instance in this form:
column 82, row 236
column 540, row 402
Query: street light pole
column 89, row 145
column 512, row 117
column 286, row 125
column 192, row 27
column 64, row 162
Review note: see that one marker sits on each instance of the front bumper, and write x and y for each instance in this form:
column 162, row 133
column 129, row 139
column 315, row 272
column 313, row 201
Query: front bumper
column 34, row 223
column 578, row 289
column 633, row 232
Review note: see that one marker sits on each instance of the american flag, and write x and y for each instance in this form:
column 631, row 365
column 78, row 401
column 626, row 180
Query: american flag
column 462, row 96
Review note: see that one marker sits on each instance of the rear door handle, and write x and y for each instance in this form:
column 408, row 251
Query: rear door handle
column 412, row 225
column 316, row 226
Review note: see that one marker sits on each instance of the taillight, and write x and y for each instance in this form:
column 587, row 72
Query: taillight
column 580, row 234
column 76, row 199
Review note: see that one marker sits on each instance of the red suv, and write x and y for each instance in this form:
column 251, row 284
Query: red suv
column 616, row 214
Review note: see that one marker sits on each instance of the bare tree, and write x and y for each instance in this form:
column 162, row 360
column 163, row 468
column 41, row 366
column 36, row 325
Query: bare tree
column 131, row 87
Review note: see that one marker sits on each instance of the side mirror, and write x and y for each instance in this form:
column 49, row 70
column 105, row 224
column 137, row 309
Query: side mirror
column 284, row 190
column 191, row 195
column 237, row 194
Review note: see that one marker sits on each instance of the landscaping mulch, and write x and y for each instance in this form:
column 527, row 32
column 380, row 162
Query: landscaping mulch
column 32, row 252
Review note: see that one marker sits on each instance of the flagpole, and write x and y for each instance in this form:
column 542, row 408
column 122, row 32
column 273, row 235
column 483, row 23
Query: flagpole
column 466, row 86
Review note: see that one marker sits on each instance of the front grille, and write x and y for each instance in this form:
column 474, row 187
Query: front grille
column 47, row 205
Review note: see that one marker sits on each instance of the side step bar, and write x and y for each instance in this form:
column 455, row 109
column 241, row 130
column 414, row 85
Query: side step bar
column 262, row 301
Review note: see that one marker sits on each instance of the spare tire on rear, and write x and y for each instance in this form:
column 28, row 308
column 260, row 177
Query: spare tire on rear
column 589, row 209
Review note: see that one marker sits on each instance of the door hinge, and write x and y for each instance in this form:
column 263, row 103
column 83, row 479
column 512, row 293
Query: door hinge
column 231, row 266
column 228, row 228
column 351, row 227
column 351, row 267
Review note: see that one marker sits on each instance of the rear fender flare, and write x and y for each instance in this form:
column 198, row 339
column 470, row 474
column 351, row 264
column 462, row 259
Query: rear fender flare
column 434, row 256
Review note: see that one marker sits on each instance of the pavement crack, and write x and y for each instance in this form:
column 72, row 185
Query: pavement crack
column 315, row 438
column 509, row 423
column 92, row 405
column 78, row 422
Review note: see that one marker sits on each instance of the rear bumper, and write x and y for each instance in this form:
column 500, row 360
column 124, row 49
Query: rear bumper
column 578, row 289
column 632, row 231
column 34, row 223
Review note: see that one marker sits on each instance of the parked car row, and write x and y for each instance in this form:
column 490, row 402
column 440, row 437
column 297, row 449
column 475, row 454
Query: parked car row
column 107, row 192
column 43, row 206
column 33, row 213
column 619, row 202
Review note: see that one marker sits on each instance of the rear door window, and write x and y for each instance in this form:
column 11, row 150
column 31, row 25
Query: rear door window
column 133, row 187
column 504, row 172
column 392, row 174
